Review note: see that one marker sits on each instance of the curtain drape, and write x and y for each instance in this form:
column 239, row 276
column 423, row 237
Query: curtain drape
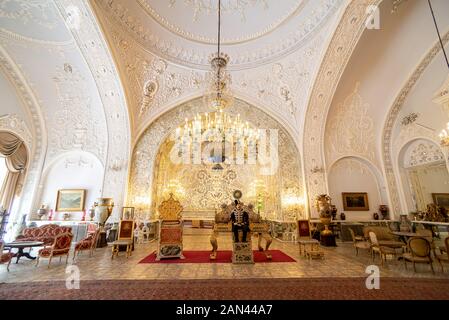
column 14, row 150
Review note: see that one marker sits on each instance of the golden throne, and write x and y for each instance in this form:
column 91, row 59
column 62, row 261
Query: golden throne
column 257, row 228
column 170, row 231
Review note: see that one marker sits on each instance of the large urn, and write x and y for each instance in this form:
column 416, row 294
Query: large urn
column 103, row 210
column 324, row 207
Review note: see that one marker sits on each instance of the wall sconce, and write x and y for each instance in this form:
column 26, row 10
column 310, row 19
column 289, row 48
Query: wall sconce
column 317, row 169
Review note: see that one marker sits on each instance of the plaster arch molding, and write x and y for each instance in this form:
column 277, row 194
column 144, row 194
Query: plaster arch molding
column 36, row 137
column 143, row 163
column 390, row 165
column 339, row 51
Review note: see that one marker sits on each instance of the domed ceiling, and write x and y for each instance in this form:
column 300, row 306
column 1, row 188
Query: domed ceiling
column 253, row 31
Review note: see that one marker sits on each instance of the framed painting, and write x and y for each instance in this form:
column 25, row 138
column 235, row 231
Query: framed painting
column 303, row 228
column 126, row 230
column 441, row 200
column 71, row 200
column 128, row 213
column 355, row 201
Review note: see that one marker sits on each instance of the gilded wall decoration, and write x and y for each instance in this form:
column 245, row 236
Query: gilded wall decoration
column 350, row 130
column 143, row 169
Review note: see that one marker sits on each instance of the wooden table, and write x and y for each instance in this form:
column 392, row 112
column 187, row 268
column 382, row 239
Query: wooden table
column 405, row 235
column 21, row 245
column 303, row 245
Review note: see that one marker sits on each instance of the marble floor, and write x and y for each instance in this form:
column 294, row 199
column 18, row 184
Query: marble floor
column 339, row 261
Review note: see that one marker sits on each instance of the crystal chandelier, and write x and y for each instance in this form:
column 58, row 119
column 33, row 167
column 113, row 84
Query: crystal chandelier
column 218, row 127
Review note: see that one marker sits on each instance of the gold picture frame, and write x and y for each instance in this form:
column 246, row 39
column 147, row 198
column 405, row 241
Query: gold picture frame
column 441, row 200
column 355, row 201
column 70, row 200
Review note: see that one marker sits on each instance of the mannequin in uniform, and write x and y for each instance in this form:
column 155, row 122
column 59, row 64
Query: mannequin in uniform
column 240, row 221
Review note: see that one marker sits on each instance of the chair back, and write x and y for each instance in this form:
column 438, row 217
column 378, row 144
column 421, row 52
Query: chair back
column 373, row 239
column 419, row 247
column 426, row 234
column 126, row 230
column 63, row 241
column 352, row 234
column 170, row 209
column 446, row 242
column 1, row 247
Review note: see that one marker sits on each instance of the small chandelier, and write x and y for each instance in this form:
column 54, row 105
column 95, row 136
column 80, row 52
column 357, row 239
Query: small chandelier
column 219, row 95
column 444, row 136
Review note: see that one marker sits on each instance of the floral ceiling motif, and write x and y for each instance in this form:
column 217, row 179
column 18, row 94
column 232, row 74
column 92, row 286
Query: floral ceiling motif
column 350, row 130
column 151, row 29
column 423, row 152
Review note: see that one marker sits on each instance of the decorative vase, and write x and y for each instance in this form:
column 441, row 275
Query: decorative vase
column 42, row 212
column 342, row 216
column 383, row 209
column 103, row 210
column 326, row 222
column 92, row 213
column 334, row 211
column 376, row 216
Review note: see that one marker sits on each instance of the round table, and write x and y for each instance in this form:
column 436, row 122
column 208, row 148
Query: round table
column 21, row 245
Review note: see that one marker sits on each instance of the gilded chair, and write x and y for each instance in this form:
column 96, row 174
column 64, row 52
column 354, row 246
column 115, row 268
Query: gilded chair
column 419, row 251
column 359, row 242
column 382, row 250
column 170, row 243
column 5, row 257
column 59, row 248
column 88, row 243
column 443, row 257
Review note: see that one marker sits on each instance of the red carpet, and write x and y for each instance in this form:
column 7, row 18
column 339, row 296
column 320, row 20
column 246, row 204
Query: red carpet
column 224, row 256
column 231, row 289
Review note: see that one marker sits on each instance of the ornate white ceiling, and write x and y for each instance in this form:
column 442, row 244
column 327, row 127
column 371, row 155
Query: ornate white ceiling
column 253, row 31
column 35, row 20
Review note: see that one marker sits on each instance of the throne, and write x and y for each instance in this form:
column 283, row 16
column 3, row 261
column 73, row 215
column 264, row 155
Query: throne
column 257, row 228
column 170, row 231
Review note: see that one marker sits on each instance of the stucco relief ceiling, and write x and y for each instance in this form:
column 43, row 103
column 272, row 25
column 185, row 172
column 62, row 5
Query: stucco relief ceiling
column 155, row 82
column 253, row 31
column 33, row 20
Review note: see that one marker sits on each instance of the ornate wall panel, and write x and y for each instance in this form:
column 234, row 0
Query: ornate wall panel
column 351, row 130
column 146, row 150
column 337, row 56
column 95, row 50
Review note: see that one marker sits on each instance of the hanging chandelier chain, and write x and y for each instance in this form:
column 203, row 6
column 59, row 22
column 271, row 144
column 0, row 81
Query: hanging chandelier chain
column 438, row 32
column 218, row 51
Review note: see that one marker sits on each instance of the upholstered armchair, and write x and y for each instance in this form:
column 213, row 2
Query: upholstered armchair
column 5, row 257
column 419, row 251
column 443, row 257
column 383, row 251
column 59, row 248
column 359, row 242
column 88, row 243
